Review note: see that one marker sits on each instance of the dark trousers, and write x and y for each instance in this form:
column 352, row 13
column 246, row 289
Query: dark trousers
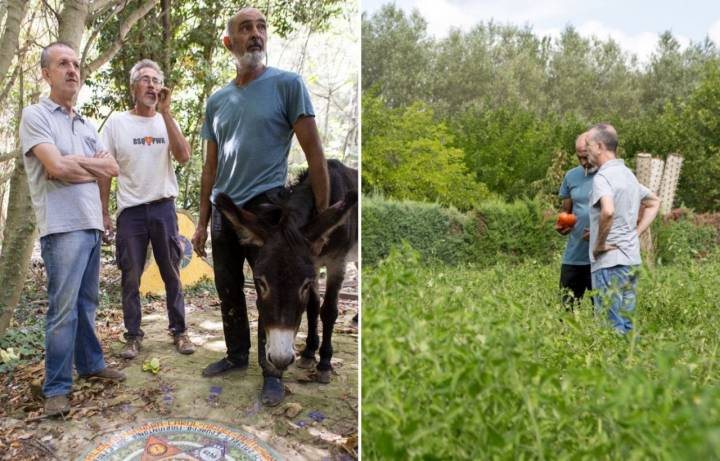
column 137, row 226
column 577, row 280
column 229, row 257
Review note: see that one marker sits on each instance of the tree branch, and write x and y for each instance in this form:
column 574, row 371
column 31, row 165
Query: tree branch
column 125, row 27
column 97, row 30
column 99, row 5
column 10, row 83
column 11, row 35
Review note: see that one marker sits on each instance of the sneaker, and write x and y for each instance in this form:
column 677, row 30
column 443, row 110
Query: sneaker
column 131, row 348
column 273, row 391
column 183, row 344
column 106, row 374
column 57, row 405
column 223, row 365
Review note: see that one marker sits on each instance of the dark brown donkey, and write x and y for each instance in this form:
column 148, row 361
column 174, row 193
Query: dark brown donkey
column 294, row 242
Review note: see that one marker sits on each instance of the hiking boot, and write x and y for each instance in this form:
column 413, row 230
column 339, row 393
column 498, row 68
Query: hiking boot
column 106, row 374
column 131, row 348
column 273, row 391
column 57, row 405
column 224, row 365
column 183, row 344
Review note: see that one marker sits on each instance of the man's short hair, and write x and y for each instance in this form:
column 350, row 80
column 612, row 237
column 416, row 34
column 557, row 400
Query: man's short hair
column 606, row 134
column 45, row 54
column 142, row 64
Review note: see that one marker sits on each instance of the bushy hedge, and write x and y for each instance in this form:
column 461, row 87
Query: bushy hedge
column 439, row 234
column 499, row 231
column 495, row 230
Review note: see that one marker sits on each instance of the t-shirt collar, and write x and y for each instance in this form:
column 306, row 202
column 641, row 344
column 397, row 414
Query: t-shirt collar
column 52, row 106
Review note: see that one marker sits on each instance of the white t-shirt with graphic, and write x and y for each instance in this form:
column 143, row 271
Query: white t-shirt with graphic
column 141, row 147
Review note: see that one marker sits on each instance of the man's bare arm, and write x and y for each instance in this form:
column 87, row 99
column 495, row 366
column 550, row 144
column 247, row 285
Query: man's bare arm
column 309, row 138
column 65, row 168
column 648, row 212
column 607, row 212
column 179, row 147
column 207, row 182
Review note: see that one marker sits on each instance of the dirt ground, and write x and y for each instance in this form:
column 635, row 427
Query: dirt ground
column 316, row 421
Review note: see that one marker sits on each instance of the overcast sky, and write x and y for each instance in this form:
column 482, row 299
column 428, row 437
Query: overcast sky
column 635, row 24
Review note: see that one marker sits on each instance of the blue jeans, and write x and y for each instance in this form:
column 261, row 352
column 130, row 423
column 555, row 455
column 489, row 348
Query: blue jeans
column 616, row 288
column 72, row 263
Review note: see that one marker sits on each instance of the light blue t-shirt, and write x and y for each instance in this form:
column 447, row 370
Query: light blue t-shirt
column 616, row 180
column 253, row 128
column 577, row 186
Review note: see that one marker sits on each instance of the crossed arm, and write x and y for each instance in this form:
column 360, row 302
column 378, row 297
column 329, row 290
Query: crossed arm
column 75, row 168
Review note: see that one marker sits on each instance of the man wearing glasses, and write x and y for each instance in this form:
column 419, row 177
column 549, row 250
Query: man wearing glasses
column 144, row 140
column 575, row 193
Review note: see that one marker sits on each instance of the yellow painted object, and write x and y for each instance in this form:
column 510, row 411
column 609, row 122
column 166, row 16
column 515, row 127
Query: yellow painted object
column 192, row 267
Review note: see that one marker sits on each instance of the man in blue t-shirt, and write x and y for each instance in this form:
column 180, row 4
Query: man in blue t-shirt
column 249, row 125
column 575, row 192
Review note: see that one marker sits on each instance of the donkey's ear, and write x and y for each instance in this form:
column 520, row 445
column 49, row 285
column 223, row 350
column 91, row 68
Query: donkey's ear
column 319, row 229
column 246, row 224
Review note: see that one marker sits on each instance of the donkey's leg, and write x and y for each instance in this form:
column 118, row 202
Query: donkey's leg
column 307, row 358
column 328, row 315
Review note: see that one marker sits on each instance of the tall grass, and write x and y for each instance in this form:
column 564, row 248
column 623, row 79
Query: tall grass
column 485, row 364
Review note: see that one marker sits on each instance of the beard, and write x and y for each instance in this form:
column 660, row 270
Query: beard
column 249, row 60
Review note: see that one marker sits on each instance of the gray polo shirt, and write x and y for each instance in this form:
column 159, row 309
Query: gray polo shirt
column 616, row 180
column 59, row 206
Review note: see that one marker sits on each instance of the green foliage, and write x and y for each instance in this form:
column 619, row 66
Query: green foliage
column 511, row 98
column 407, row 155
column 495, row 230
column 515, row 231
column 683, row 241
column 509, row 148
column 467, row 364
column 26, row 342
column 440, row 234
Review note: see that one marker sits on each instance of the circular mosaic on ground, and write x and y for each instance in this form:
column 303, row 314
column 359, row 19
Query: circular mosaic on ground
column 180, row 440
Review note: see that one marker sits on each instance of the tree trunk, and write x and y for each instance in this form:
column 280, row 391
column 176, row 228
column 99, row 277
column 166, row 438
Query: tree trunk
column 18, row 240
column 19, row 232
column 16, row 10
column 72, row 22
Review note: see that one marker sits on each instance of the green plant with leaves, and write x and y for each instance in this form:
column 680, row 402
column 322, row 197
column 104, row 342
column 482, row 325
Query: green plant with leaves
column 468, row 363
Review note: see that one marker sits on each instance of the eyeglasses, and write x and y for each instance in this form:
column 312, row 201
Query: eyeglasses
column 146, row 80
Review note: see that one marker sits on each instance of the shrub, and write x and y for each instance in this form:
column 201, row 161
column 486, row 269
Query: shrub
column 439, row 234
column 682, row 240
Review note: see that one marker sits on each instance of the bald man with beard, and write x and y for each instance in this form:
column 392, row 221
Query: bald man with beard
column 575, row 193
column 249, row 125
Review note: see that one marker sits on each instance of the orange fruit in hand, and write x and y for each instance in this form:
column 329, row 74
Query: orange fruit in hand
column 566, row 219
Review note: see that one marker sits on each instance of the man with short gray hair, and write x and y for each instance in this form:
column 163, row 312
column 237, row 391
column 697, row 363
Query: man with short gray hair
column 620, row 210
column 144, row 141
column 64, row 158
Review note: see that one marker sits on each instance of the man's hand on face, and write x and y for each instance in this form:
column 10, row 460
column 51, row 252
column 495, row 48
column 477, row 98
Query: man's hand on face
column 164, row 96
